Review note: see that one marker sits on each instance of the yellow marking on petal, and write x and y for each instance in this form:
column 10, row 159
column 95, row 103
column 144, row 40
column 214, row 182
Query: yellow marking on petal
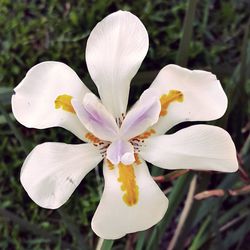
column 92, row 138
column 167, row 99
column 128, row 184
column 137, row 159
column 64, row 102
column 110, row 165
column 146, row 134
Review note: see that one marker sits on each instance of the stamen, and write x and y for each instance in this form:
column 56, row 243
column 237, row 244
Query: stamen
column 137, row 159
column 145, row 135
column 93, row 138
column 100, row 144
column 137, row 141
column 167, row 99
column 119, row 120
column 64, row 102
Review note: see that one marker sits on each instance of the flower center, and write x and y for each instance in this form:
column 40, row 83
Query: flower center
column 119, row 140
column 121, row 151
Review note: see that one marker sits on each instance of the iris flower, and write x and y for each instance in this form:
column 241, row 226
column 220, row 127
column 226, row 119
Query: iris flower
column 51, row 95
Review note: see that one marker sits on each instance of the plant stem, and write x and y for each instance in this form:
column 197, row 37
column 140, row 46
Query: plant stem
column 182, row 55
column 184, row 214
column 106, row 245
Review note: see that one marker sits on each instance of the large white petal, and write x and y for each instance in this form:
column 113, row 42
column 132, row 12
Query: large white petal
column 114, row 218
column 203, row 98
column 115, row 50
column 33, row 103
column 200, row 147
column 52, row 171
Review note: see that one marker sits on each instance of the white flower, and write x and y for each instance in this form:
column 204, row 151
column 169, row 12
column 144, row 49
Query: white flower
column 51, row 94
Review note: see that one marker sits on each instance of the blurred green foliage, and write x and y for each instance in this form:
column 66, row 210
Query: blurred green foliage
column 35, row 31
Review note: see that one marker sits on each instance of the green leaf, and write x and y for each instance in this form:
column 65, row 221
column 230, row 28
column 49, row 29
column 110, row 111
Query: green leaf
column 14, row 129
column 176, row 196
column 107, row 244
column 5, row 95
column 182, row 55
column 140, row 240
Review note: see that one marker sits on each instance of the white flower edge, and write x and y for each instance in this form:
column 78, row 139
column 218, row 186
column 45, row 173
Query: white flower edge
column 33, row 103
column 113, row 219
column 198, row 147
column 203, row 98
column 52, row 171
column 115, row 50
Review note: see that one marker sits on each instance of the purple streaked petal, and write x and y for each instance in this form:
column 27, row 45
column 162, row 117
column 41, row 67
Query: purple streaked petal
column 144, row 114
column 95, row 117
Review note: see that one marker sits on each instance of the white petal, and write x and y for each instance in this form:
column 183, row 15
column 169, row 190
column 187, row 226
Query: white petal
column 52, row 171
column 115, row 50
column 203, row 97
column 121, row 151
column 96, row 118
column 144, row 114
column 114, row 218
column 33, row 103
column 200, row 147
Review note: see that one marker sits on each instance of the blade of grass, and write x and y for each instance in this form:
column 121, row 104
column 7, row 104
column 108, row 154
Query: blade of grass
column 14, row 129
column 199, row 238
column 206, row 206
column 73, row 229
column 32, row 228
column 5, row 95
column 107, row 244
column 236, row 92
column 243, row 59
column 215, row 228
column 140, row 240
column 187, row 229
column 182, row 55
column 205, row 16
column 205, row 236
column 176, row 196
column 3, row 120
column 184, row 213
column 233, row 211
column 246, row 148
column 242, row 233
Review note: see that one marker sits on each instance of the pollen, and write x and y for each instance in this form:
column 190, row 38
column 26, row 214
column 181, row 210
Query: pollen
column 64, row 102
column 167, row 99
column 127, row 179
